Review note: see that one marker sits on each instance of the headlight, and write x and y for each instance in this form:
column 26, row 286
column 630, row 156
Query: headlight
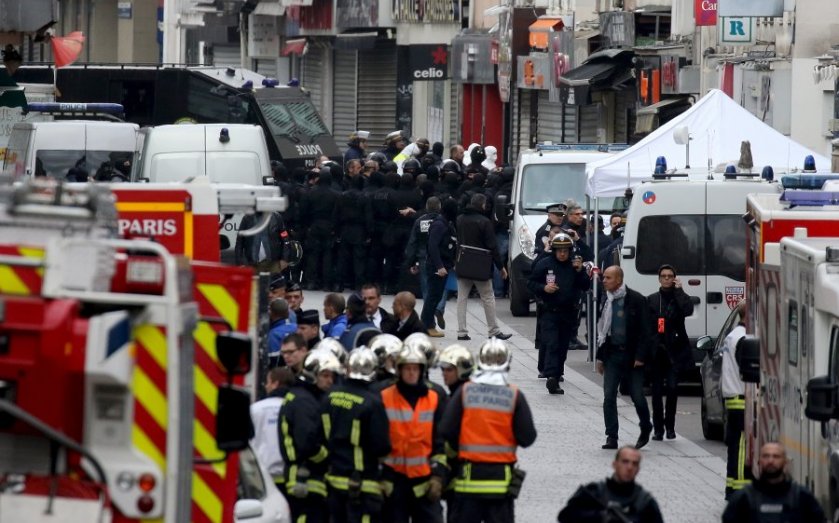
column 526, row 241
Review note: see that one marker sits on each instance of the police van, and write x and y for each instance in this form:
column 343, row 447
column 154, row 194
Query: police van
column 546, row 175
column 697, row 227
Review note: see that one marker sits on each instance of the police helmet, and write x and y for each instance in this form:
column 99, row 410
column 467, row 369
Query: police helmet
column 362, row 364
column 385, row 345
column 317, row 362
column 562, row 241
column 450, row 166
column 411, row 165
column 377, row 157
column 423, row 342
column 494, row 355
column 460, row 358
column 334, row 347
column 411, row 355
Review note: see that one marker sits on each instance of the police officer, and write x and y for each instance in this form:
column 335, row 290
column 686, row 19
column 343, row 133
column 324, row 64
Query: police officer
column 485, row 422
column 354, row 221
column 737, row 474
column 457, row 364
column 356, row 429
column 302, row 440
column 558, row 281
column 394, row 143
column 556, row 215
column 383, row 205
column 416, row 251
column 317, row 212
column 415, row 470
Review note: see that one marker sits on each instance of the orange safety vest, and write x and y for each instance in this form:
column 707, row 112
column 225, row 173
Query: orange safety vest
column 486, row 430
column 411, row 432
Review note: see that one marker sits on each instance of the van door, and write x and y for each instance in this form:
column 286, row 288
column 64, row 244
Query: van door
column 806, row 371
column 725, row 252
column 666, row 226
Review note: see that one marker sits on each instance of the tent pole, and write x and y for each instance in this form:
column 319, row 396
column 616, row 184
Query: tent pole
column 591, row 305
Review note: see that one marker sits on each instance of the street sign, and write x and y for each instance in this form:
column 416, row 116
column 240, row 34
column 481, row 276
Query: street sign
column 737, row 30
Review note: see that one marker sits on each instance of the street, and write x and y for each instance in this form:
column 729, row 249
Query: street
column 686, row 475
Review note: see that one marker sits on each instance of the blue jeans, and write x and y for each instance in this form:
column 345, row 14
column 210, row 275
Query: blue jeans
column 436, row 289
column 502, row 240
column 619, row 366
column 423, row 276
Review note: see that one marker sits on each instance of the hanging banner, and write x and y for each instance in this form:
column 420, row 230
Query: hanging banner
column 705, row 12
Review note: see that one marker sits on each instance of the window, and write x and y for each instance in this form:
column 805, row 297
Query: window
column 726, row 251
column 250, row 485
column 296, row 120
column 792, row 340
column 675, row 240
column 544, row 184
column 208, row 102
column 771, row 319
column 59, row 163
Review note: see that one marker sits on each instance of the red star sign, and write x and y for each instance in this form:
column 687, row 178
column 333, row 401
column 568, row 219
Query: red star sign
column 440, row 55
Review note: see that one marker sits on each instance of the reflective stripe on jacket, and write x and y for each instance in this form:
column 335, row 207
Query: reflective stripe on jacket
column 411, row 432
column 486, row 430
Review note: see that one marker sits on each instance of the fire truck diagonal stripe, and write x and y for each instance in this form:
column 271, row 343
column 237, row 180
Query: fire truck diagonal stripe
column 154, row 342
column 206, row 338
column 150, row 397
column 205, row 447
column 206, row 390
column 205, row 498
column 34, row 252
column 145, row 445
column 222, row 301
column 150, row 207
column 11, row 283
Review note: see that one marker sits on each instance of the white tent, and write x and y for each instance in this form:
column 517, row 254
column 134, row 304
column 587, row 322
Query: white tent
column 717, row 126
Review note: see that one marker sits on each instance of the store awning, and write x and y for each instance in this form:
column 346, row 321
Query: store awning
column 540, row 31
column 356, row 41
column 602, row 70
column 296, row 46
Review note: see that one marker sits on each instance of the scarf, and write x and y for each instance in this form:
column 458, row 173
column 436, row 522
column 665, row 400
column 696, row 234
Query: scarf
column 487, row 377
column 605, row 323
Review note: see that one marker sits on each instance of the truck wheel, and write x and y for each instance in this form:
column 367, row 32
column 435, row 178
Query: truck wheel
column 519, row 299
column 710, row 431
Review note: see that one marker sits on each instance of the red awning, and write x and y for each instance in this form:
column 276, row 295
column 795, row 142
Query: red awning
column 296, row 46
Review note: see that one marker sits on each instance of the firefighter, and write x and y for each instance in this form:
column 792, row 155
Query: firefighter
column 432, row 355
column 737, row 475
column 484, row 423
column 558, row 281
column 415, row 470
column 356, row 429
column 386, row 347
column 457, row 364
column 302, row 441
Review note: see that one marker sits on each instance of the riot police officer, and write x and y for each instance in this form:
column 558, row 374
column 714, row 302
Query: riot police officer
column 316, row 215
column 354, row 221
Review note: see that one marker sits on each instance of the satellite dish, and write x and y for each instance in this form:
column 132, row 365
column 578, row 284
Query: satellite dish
column 681, row 135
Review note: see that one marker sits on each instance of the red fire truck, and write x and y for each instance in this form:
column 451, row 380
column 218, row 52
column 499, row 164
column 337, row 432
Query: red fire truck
column 121, row 364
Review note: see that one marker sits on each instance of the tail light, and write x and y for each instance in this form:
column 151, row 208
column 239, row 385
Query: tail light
column 145, row 504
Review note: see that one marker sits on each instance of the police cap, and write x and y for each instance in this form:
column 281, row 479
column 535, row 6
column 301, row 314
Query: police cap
column 278, row 281
column 309, row 317
column 557, row 208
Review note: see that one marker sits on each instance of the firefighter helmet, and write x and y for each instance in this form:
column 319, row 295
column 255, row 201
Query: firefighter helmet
column 319, row 361
column 411, row 354
column 334, row 347
column 363, row 364
column 422, row 342
column 384, row 346
column 562, row 241
column 494, row 355
column 460, row 358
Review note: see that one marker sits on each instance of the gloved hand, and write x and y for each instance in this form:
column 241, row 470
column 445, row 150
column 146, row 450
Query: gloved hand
column 435, row 489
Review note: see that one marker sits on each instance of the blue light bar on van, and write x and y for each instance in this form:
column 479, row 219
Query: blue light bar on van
column 807, row 181
column 810, row 198
column 583, row 147
column 56, row 107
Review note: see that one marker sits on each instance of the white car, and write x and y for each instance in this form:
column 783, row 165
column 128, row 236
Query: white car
column 259, row 501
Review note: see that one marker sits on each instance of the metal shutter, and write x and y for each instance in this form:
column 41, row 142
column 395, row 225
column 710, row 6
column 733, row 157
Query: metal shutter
column 267, row 67
column 345, row 97
column 314, row 62
column 520, row 124
column 227, row 56
column 549, row 121
column 377, row 91
column 454, row 115
column 590, row 122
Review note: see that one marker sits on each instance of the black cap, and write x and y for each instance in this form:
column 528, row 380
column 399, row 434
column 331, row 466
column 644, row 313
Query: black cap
column 309, row 317
column 557, row 208
column 293, row 287
column 278, row 281
column 355, row 299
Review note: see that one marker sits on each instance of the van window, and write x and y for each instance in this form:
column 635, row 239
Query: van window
column 293, row 119
column 82, row 164
column 545, row 184
column 792, row 332
column 726, row 241
column 212, row 103
column 675, row 240
column 771, row 318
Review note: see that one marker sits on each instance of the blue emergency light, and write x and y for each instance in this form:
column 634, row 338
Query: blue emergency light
column 63, row 107
column 810, row 198
column 768, row 173
column 807, row 181
column 582, row 147
column 270, row 82
column 809, row 163
column 660, row 165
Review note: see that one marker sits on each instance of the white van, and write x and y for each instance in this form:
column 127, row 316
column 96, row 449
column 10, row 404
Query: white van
column 697, row 227
column 71, row 149
column 225, row 153
column 546, row 175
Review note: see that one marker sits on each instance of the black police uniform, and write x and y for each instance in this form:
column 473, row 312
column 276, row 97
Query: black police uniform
column 354, row 220
column 416, row 251
column 316, row 214
column 559, row 309
column 384, row 212
column 396, row 237
column 610, row 500
column 304, row 453
column 357, row 437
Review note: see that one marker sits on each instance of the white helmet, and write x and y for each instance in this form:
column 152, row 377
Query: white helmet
column 423, row 342
column 460, row 358
column 384, row 346
column 410, row 354
column 363, row 364
column 494, row 355
column 333, row 346
column 317, row 362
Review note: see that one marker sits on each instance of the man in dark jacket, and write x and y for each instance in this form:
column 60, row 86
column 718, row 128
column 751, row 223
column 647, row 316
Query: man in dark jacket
column 408, row 201
column 382, row 319
column 354, row 221
column 417, row 250
column 408, row 321
column 357, row 439
column 441, row 250
column 383, row 203
column 773, row 497
column 617, row 499
column 622, row 340
column 503, row 190
column 317, row 211
column 475, row 230
column 671, row 351
column 558, row 281
column 360, row 330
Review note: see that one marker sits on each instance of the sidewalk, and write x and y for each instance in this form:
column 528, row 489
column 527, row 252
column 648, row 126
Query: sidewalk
column 687, row 481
